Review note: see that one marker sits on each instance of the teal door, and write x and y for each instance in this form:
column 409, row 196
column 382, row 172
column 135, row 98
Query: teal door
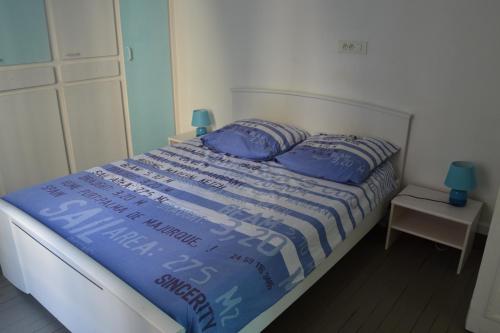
column 146, row 40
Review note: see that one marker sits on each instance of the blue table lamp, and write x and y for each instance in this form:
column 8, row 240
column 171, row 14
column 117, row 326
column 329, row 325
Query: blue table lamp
column 201, row 119
column 461, row 178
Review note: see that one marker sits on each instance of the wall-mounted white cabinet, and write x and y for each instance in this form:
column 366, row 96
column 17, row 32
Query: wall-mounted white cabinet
column 64, row 115
column 96, row 122
column 85, row 28
column 31, row 139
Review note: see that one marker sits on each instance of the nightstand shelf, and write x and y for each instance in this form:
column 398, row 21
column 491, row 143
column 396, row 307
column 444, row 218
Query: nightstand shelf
column 180, row 138
column 430, row 227
column 433, row 220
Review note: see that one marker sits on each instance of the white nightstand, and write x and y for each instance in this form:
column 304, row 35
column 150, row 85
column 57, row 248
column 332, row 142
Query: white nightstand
column 436, row 221
column 179, row 138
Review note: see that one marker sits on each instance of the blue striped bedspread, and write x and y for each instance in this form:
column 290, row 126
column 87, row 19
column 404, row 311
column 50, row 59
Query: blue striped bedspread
column 210, row 239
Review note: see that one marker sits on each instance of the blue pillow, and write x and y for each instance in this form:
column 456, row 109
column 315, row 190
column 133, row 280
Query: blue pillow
column 341, row 158
column 254, row 139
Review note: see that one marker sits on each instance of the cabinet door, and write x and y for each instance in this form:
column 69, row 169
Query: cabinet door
column 23, row 32
column 85, row 28
column 149, row 75
column 96, row 122
column 31, row 139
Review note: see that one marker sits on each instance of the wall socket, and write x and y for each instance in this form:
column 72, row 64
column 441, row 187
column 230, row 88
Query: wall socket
column 352, row 46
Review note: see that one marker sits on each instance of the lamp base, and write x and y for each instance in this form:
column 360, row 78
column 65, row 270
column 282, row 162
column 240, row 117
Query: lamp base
column 201, row 131
column 458, row 198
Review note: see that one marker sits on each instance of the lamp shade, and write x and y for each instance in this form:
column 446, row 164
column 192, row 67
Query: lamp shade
column 201, row 118
column 461, row 176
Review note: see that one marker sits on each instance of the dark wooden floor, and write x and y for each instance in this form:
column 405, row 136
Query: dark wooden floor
column 412, row 287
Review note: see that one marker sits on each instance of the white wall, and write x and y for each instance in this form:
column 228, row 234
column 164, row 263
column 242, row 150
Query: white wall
column 439, row 59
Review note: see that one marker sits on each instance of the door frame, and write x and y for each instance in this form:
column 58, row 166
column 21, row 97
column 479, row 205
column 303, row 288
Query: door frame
column 478, row 319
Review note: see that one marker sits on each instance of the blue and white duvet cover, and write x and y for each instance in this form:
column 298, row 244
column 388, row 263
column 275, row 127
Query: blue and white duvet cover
column 210, row 239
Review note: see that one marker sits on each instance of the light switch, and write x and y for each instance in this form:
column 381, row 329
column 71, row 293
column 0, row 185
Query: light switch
column 352, row 46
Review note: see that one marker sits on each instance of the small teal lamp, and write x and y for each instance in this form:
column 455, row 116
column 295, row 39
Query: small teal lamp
column 461, row 178
column 201, row 119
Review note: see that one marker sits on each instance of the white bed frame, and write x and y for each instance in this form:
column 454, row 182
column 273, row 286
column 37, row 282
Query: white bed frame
column 86, row 297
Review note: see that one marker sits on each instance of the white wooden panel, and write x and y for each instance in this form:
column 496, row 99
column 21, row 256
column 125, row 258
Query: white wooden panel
column 9, row 256
column 57, row 290
column 26, row 78
column 84, row 28
column 96, row 123
column 90, row 70
column 31, row 139
column 97, row 310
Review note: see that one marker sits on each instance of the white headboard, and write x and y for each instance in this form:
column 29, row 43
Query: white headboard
column 328, row 114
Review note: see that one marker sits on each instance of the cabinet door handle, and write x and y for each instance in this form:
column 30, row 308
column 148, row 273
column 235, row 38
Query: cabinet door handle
column 130, row 53
column 74, row 54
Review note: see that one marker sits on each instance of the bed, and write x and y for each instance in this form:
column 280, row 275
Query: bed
column 242, row 240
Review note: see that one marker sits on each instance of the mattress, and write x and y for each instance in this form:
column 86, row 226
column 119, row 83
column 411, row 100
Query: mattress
column 210, row 239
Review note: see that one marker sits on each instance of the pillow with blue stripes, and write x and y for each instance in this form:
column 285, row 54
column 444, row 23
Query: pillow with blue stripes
column 341, row 158
column 254, row 139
